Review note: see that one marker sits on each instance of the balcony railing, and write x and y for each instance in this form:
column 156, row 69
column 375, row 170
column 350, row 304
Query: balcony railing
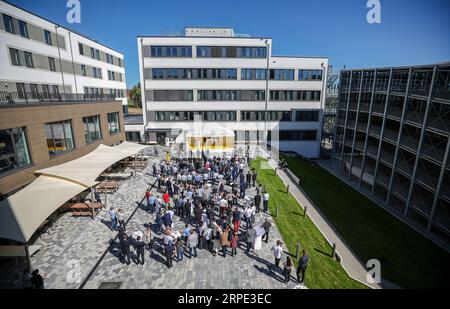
column 14, row 98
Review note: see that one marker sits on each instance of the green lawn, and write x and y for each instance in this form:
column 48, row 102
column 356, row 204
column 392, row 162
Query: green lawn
column 407, row 258
column 323, row 271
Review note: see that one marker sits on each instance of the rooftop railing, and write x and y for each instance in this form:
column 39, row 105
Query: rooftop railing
column 14, row 98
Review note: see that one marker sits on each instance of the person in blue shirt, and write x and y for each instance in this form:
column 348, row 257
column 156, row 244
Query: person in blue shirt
column 186, row 232
column 112, row 215
column 302, row 265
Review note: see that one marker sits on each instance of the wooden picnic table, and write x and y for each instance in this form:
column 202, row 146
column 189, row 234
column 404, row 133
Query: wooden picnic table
column 83, row 209
column 107, row 187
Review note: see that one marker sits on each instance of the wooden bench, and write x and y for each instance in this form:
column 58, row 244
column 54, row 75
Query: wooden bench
column 81, row 214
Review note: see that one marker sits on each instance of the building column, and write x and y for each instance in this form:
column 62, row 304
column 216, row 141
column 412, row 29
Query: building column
column 356, row 125
column 380, row 144
column 422, row 135
column 367, row 129
column 439, row 186
column 345, row 121
column 397, row 149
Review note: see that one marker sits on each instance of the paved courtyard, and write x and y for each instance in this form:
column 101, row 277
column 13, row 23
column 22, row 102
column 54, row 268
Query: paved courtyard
column 83, row 241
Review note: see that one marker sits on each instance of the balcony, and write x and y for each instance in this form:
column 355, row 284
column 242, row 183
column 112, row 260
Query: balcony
column 394, row 112
column 14, row 98
column 391, row 135
column 409, row 143
column 387, row 157
column 362, row 127
column 375, row 130
column 372, row 150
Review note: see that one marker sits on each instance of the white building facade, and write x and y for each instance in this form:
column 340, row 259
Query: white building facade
column 212, row 75
column 41, row 58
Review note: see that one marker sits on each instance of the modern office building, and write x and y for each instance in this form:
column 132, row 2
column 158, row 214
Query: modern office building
column 223, row 79
column 392, row 140
column 60, row 96
column 39, row 58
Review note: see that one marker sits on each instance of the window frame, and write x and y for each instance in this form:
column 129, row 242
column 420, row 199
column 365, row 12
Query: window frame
column 23, row 29
column 48, row 37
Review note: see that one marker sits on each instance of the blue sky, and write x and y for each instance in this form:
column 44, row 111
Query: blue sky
column 411, row 31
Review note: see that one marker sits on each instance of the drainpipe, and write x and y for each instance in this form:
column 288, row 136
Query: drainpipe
column 143, row 87
column 73, row 64
column 323, row 99
column 60, row 61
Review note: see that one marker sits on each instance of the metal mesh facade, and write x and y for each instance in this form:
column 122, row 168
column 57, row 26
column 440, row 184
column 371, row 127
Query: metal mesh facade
column 392, row 140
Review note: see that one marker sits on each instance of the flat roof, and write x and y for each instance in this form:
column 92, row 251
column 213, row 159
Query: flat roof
column 64, row 27
column 417, row 66
column 206, row 37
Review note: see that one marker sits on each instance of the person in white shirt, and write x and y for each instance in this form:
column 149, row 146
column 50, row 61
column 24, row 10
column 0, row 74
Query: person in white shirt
column 277, row 252
column 248, row 217
column 266, row 201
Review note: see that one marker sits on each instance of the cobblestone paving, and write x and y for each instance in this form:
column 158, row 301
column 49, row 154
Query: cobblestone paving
column 83, row 241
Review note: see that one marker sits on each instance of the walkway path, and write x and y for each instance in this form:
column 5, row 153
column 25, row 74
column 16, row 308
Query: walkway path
column 349, row 260
column 82, row 241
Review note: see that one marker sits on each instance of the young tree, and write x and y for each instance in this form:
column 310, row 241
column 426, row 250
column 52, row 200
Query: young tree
column 135, row 95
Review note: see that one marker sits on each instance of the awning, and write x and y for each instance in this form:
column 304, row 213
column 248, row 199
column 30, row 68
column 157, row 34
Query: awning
column 85, row 170
column 22, row 213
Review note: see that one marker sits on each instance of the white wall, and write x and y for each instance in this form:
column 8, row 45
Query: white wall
column 23, row 74
column 306, row 148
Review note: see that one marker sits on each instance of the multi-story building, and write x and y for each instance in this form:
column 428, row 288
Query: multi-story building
column 224, row 80
column 39, row 58
column 56, row 100
column 393, row 140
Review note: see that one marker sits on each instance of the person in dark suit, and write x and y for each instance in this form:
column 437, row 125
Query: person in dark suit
column 257, row 200
column 169, row 255
column 302, row 265
column 140, row 246
column 125, row 246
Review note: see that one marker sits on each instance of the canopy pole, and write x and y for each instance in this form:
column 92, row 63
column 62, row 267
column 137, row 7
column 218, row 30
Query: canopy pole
column 135, row 165
column 92, row 202
column 27, row 253
column 106, row 197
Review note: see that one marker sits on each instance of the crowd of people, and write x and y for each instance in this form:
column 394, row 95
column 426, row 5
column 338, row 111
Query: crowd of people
column 210, row 196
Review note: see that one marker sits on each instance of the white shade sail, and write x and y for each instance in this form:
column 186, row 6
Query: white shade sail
column 22, row 213
column 209, row 131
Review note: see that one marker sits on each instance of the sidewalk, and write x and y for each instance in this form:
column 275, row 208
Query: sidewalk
column 349, row 260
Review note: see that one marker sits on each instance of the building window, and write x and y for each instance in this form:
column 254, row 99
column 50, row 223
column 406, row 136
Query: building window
column 97, row 54
column 282, row 74
column 306, row 116
column 14, row 151
column 113, row 123
column 15, row 59
column 99, row 73
column 45, row 91
column 171, row 51
column 298, row 135
column 28, row 59
column 94, row 72
column 23, row 28
column 111, row 75
column 21, row 92
column 48, row 37
column 309, row 74
column 83, row 70
column 59, row 137
column 51, row 64
column 92, row 53
column 56, row 89
column 34, row 91
column 120, row 62
column 8, row 21
column 80, row 48
column 92, row 130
